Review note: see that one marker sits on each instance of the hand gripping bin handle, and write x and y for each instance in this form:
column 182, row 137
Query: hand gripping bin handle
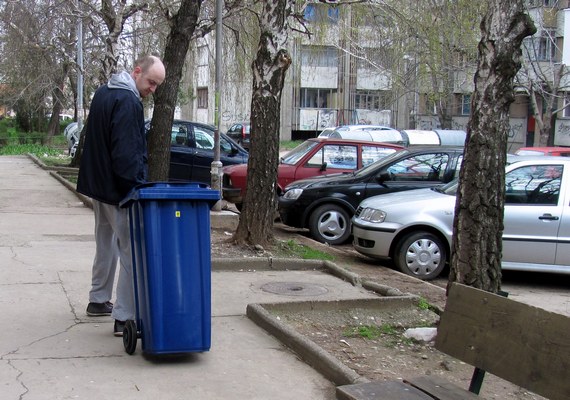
column 170, row 241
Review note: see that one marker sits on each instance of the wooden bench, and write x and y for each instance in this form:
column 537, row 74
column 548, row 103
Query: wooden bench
column 522, row 344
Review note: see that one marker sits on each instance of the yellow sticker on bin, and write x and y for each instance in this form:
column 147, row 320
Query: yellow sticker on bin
column 177, row 214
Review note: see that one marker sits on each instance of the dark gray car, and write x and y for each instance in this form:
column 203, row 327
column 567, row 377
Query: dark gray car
column 192, row 151
column 240, row 133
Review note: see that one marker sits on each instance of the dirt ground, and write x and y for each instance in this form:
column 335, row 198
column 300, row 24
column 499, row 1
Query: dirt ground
column 372, row 344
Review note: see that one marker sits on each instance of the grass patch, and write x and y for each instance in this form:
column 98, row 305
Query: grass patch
column 370, row 331
column 61, row 160
column 36, row 149
column 305, row 252
column 289, row 144
column 423, row 304
column 393, row 335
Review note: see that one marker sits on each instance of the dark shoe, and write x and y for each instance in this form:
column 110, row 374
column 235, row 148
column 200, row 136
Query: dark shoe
column 118, row 328
column 99, row 309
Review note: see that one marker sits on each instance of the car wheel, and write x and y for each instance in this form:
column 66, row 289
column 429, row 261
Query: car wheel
column 420, row 254
column 330, row 223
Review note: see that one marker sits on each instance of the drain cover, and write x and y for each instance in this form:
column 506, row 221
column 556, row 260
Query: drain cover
column 294, row 288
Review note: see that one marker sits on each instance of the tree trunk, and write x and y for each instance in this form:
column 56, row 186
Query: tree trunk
column 58, row 99
column 182, row 27
column 478, row 224
column 269, row 69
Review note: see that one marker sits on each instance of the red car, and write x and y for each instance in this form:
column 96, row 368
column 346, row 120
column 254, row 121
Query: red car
column 318, row 156
column 543, row 151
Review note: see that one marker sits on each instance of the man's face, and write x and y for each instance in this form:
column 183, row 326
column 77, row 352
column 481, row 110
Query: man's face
column 147, row 82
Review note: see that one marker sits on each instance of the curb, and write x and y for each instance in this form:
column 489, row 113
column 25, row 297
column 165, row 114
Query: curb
column 311, row 353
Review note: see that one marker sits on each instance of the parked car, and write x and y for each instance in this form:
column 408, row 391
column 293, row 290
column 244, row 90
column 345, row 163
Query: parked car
column 543, row 151
column 192, row 151
column 317, row 156
column 327, row 132
column 414, row 229
column 325, row 205
column 239, row 132
column 71, row 133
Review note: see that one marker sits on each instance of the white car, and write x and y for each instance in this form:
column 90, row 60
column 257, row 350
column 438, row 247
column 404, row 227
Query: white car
column 373, row 133
column 71, row 133
column 414, row 228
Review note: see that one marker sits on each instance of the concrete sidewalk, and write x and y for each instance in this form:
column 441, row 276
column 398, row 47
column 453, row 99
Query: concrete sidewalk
column 50, row 349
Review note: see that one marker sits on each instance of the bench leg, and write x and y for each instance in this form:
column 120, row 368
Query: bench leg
column 477, row 380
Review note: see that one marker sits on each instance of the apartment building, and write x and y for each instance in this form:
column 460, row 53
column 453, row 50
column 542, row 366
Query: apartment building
column 345, row 74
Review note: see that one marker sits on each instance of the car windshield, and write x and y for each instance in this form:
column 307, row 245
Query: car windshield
column 298, row 152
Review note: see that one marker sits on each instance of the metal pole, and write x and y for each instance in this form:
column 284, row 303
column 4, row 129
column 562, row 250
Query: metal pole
column 79, row 72
column 216, row 170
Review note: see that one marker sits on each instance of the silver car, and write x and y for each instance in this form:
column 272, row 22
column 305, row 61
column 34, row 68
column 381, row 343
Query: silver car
column 414, row 228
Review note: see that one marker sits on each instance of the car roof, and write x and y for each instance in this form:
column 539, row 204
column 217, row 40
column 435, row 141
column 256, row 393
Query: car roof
column 537, row 160
column 546, row 148
column 361, row 127
column 426, row 147
column 354, row 141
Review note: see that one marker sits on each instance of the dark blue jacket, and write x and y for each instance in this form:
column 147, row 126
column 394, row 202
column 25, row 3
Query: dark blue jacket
column 114, row 158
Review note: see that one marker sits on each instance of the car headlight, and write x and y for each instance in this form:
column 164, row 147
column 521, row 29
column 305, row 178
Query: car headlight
column 293, row 194
column 372, row 215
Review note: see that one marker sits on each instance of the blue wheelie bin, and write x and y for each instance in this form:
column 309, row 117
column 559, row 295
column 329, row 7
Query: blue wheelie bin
column 170, row 239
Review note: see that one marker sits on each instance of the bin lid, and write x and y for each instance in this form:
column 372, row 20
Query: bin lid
column 171, row 191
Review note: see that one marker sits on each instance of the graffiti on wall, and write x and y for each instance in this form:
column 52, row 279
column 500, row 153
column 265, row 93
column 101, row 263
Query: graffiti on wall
column 367, row 117
column 316, row 120
column 562, row 132
column 231, row 117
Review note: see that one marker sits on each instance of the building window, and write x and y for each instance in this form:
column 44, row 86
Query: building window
column 566, row 112
column 321, row 13
column 202, row 58
column 547, row 46
column 202, row 97
column 541, row 47
column 318, row 98
column 319, row 56
column 466, row 104
column 374, row 100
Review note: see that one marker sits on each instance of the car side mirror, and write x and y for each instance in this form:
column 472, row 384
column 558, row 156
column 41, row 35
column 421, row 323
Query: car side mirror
column 323, row 167
column 383, row 176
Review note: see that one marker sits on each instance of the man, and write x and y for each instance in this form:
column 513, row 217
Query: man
column 112, row 163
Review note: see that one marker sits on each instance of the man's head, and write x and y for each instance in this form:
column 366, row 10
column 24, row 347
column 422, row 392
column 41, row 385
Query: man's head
column 148, row 74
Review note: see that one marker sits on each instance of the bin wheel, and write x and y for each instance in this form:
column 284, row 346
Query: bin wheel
column 130, row 336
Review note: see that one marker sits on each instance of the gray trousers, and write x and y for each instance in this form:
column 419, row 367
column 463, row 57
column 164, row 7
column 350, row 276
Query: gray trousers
column 112, row 243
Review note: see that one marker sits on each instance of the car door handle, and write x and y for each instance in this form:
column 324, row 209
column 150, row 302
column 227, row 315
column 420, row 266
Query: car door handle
column 548, row 217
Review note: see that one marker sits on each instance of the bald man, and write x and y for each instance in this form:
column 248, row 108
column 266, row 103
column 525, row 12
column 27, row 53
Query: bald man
column 114, row 160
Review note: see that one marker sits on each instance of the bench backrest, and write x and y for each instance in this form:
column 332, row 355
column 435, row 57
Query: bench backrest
column 525, row 345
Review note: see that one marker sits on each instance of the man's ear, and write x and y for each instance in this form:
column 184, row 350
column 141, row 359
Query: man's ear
column 136, row 72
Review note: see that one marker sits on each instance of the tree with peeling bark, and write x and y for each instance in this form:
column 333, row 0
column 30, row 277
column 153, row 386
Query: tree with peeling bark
column 478, row 223
column 269, row 68
column 182, row 26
